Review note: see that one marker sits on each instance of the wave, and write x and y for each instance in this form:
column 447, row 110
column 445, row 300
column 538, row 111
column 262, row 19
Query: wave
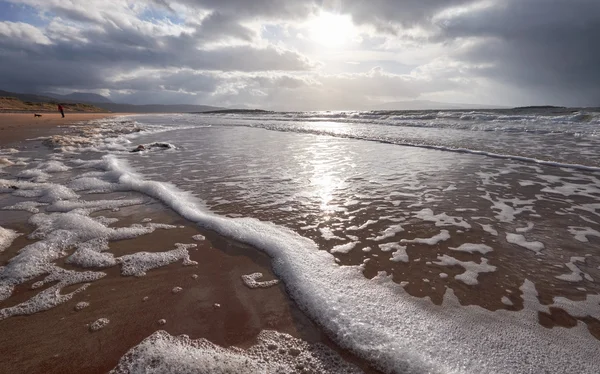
column 428, row 338
column 573, row 123
column 533, row 160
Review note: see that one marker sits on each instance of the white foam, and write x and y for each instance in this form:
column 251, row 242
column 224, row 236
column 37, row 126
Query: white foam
column 92, row 254
column 508, row 209
column 327, row 234
column 390, row 232
column 520, row 240
column 471, row 248
column 506, row 301
column 176, row 290
column 139, row 263
column 489, row 229
column 54, row 167
column 362, row 227
column 252, row 281
column 46, row 299
column 45, row 192
column 442, row 219
column 274, row 352
column 581, row 233
column 472, row 269
column 583, row 308
column 7, row 236
column 526, row 229
column 442, row 236
column 198, row 237
column 344, row 248
column 400, row 254
column 28, row 206
column 435, row 338
column 576, row 274
column 99, row 324
column 35, row 175
column 81, row 305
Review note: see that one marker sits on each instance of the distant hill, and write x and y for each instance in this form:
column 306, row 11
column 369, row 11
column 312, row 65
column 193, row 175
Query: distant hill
column 237, row 111
column 12, row 104
column 32, row 98
column 99, row 102
column 80, row 97
column 430, row 105
column 156, row 108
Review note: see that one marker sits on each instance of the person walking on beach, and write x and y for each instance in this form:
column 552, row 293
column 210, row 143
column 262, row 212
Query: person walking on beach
column 61, row 110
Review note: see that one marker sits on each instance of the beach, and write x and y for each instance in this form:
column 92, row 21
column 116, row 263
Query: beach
column 16, row 127
column 403, row 242
column 213, row 303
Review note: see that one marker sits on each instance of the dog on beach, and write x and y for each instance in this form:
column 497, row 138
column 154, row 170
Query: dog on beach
column 37, row 115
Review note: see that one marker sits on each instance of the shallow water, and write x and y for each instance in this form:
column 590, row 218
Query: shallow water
column 338, row 199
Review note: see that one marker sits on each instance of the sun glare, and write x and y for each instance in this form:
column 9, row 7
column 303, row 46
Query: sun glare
column 331, row 30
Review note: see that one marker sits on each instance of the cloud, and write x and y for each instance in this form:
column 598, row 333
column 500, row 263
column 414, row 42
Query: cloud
column 22, row 32
column 548, row 47
column 250, row 52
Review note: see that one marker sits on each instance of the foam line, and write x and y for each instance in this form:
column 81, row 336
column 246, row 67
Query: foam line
column 443, row 148
column 378, row 320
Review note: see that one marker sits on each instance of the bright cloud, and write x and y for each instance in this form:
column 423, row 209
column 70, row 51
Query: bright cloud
column 297, row 55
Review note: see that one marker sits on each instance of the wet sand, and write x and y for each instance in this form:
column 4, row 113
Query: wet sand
column 16, row 127
column 59, row 340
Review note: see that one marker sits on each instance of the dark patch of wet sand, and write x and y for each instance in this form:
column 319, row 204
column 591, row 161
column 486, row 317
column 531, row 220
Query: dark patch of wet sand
column 59, row 340
column 17, row 127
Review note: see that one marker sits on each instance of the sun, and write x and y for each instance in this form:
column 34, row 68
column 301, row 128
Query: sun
column 331, row 30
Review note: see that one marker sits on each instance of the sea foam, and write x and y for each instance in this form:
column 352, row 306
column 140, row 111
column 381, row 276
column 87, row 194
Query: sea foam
column 446, row 338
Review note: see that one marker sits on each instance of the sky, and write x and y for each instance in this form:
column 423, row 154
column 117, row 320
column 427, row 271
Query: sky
column 305, row 55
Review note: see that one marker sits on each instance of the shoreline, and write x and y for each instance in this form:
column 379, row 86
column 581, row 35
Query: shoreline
column 43, row 342
column 18, row 127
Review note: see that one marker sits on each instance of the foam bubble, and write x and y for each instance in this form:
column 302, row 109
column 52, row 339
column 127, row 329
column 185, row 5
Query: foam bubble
column 344, row 248
column 442, row 236
column 252, row 281
column 7, row 236
column 472, row 248
column 81, row 305
column 472, row 269
column 520, row 240
column 198, row 237
column 389, row 232
column 576, row 274
column 27, row 206
column 489, row 229
column 274, row 352
column 442, row 219
column 400, row 254
column 506, row 301
column 139, row 263
column 581, row 233
column 99, row 324
column 47, row 299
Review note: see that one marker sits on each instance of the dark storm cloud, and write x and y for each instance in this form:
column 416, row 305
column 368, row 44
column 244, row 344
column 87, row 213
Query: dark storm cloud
column 243, row 9
column 546, row 49
column 30, row 61
column 550, row 47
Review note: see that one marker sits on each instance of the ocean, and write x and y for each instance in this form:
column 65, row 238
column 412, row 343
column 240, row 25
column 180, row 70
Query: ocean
column 419, row 241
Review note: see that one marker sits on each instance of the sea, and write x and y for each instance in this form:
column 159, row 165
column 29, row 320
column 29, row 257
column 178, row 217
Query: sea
column 419, row 241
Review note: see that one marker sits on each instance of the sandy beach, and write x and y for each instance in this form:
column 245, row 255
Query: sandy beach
column 399, row 258
column 15, row 127
column 213, row 304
